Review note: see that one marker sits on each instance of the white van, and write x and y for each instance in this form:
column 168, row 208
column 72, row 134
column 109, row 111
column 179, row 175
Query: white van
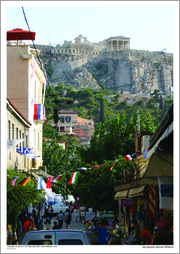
column 59, row 205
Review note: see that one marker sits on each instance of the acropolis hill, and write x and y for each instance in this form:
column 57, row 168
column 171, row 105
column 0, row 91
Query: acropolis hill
column 110, row 63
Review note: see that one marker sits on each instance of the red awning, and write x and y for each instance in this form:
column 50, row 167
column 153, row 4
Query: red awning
column 19, row 34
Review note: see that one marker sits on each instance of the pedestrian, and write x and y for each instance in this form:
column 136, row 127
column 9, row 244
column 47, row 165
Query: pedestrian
column 80, row 218
column 68, row 218
column 39, row 224
column 78, row 214
column 56, row 226
column 60, row 218
column 9, row 234
column 75, row 212
column 28, row 226
column 83, row 214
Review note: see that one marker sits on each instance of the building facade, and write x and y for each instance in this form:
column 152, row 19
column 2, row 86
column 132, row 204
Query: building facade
column 17, row 128
column 25, row 82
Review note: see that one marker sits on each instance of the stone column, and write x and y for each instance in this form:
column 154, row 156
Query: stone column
column 112, row 45
column 117, row 44
column 123, row 44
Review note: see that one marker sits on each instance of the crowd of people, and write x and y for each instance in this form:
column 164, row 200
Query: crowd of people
column 36, row 219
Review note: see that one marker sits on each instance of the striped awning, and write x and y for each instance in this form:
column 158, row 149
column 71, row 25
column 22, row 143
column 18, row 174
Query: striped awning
column 121, row 194
column 135, row 192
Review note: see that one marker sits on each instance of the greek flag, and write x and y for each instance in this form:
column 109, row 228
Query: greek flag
column 39, row 183
column 110, row 222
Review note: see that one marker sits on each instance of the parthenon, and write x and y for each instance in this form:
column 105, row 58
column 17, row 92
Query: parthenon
column 118, row 43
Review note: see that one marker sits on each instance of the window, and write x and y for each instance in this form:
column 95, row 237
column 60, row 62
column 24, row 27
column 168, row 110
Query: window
column 68, row 119
column 61, row 129
column 23, row 141
column 70, row 242
column 17, row 135
column 40, row 242
column 58, row 129
column 62, row 119
column 20, row 138
column 27, row 141
column 38, row 141
column 9, row 130
column 35, row 100
column 12, row 131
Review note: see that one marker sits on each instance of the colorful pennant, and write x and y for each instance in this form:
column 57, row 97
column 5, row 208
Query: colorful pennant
column 112, row 164
column 74, row 178
column 39, row 183
column 23, row 150
column 130, row 157
column 49, row 182
column 59, row 179
column 25, row 181
column 14, row 180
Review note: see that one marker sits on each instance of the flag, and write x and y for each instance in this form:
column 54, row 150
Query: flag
column 165, row 192
column 112, row 164
column 25, row 181
column 39, row 183
column 59, row 179
column 23, row 150
column 12, row 143
column 98, row 166
column 110, row 222
column 38, row 112
column 145, row 153
column 84, row 168
column 49, row 182
column 74, row 178
column 130, row 157
column 14, row 180
column 8, row 176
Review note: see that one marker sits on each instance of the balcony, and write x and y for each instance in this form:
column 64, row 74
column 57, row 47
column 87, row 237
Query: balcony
column 39, row 113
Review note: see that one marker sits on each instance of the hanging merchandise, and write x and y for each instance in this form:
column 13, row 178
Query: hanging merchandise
column 74, row 178
column 151, row 201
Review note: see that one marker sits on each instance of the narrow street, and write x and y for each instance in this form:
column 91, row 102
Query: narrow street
column 74, row 225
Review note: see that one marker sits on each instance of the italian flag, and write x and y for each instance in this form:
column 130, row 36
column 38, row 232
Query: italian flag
column 74, row 178
column 113, row 163
column 59, row 179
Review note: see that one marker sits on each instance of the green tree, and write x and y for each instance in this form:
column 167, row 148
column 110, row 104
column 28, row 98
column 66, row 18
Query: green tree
column 19, row 197
column 96, row 186
column 60, row 161
column 102, row 117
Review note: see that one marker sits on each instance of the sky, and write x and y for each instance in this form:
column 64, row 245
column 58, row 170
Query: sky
column 149, row 25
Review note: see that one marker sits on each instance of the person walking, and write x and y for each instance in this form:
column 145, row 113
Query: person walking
column 60, row 218
column 68, row 218
column 56, row 226
column 26, row 224
column 75, row 212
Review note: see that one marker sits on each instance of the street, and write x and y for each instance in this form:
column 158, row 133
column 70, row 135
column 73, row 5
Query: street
column 74, row 225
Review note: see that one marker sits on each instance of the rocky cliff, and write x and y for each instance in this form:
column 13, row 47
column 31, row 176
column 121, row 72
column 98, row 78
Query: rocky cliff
column 135, row 72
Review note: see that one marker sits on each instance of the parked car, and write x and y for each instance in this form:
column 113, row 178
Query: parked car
column 56, row 237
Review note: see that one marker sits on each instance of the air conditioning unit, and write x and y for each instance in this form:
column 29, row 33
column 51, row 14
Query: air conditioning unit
column 145, row 142
column 33, row 163
column 43, row 168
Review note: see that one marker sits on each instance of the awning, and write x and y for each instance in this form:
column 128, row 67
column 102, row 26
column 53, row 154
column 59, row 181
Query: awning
column 121, row 194
column 159, row 165
column 165, row 134
column 138, row 191
column 140, row 166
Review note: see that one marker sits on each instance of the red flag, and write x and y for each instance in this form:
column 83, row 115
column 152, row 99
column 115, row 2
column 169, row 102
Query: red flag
column 49, row 182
